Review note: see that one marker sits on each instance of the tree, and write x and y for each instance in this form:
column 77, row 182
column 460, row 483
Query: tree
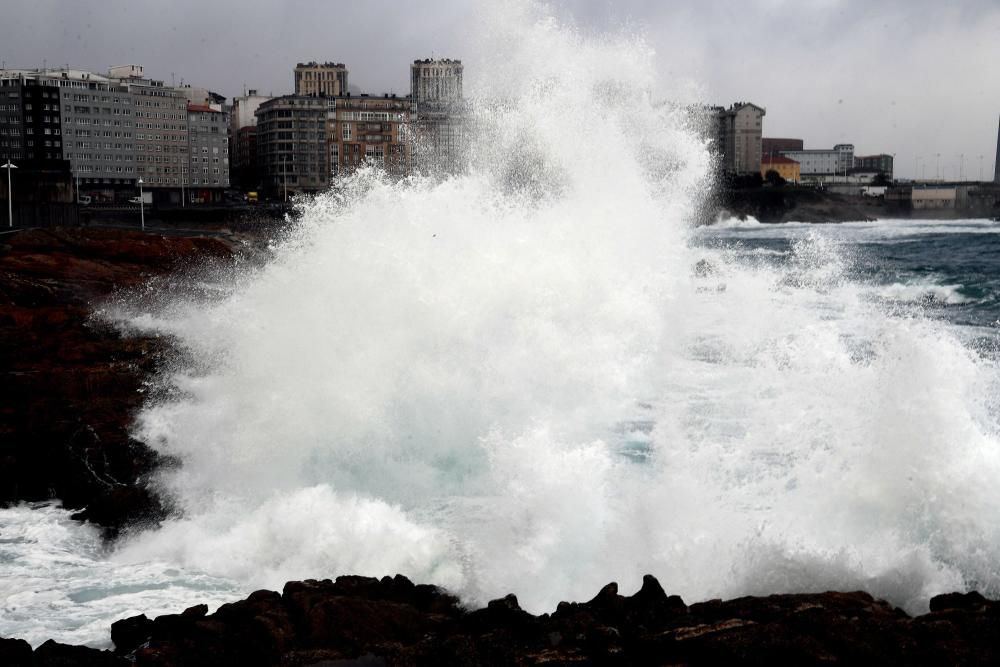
column 773, row 178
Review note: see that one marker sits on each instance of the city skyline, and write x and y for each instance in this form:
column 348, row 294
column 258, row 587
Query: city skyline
column 910, row 79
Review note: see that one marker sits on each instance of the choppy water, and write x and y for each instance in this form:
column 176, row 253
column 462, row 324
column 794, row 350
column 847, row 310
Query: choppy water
column 540, row 378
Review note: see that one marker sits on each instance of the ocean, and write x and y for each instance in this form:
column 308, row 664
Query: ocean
column 538, row 377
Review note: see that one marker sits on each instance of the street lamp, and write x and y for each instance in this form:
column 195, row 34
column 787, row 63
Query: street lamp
column 182, row 185
column 10, row 194
column 142, row 208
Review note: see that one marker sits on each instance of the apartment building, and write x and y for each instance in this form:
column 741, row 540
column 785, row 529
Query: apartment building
column 30, row 123
column 436, row 81
column 292, row 148
column 161, row 134
column 436, row 91
column 736, row 134
column 314, row 79
column 208, row 153
column 369, row 130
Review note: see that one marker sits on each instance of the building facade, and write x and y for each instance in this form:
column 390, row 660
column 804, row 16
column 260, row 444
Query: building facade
column 786, row 167
column 369, row 130
column 436, row 81
column 879, row 164
column 207, row 173
column 824, row 162
column 738, row 132
column 774, row 145
column 440, row 113
column 314, row 79
column 161, row 131
column 292, row 148
column 243, row 169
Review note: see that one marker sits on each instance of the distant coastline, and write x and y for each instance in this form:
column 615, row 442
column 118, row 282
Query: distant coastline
column 802, row 204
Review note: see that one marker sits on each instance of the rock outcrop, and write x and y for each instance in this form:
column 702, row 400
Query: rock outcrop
column 367, row 621
column 69, row 386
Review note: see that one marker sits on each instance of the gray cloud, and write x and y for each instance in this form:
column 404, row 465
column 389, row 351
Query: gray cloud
column 913, row 78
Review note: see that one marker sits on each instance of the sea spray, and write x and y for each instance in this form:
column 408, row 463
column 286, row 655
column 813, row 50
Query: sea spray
column 526, row 378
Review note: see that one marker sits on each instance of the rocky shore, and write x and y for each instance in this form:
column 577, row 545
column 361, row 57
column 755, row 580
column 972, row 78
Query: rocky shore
column 367, row 621
column 71, row 385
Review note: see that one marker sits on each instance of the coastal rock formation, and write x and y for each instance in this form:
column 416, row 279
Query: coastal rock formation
column 70, row 385
column 391, row 621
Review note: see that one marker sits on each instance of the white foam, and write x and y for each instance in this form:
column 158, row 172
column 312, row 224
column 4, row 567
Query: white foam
column 445, row 379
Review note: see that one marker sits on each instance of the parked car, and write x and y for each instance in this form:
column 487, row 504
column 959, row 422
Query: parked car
column 135, row 200
column 83, row 199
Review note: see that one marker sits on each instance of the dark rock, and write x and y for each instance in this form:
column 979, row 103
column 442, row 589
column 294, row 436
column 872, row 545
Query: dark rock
column 130, row 633
column 972, row 600
column 53, row 654
column 15, row 653
column 391, row 621
column 69, row 386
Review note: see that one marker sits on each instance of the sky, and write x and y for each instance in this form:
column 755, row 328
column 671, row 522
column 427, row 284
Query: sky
column 914, row 78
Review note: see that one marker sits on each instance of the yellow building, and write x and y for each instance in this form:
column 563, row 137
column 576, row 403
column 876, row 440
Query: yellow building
column 786, row 167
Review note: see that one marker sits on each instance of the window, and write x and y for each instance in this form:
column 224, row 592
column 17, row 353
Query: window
column 347, row 131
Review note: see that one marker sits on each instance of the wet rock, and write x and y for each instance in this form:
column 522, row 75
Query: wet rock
column 15, row 653
column 70, row 386
column 53, row 654
column 391, row 621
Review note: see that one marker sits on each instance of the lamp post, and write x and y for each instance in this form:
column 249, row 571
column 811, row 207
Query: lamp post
column 10, row 194
column 182, row 186
column 937, row 167
column 980, row 168
column 142, row 208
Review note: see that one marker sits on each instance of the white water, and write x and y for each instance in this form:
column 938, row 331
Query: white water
column 517, row 381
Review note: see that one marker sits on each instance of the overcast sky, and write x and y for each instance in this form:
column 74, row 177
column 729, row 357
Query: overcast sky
column 915, row 78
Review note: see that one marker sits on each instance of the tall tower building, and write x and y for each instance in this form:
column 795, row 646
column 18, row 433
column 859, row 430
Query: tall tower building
column 436, row 81
column 314, row 79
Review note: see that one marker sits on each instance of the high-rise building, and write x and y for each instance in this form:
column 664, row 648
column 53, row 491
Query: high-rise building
column 737, row 134
column 161, row 133
column 208, row 151
column 292, row 144
column 436, row 81
column 436, row 90
column 320, row 79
